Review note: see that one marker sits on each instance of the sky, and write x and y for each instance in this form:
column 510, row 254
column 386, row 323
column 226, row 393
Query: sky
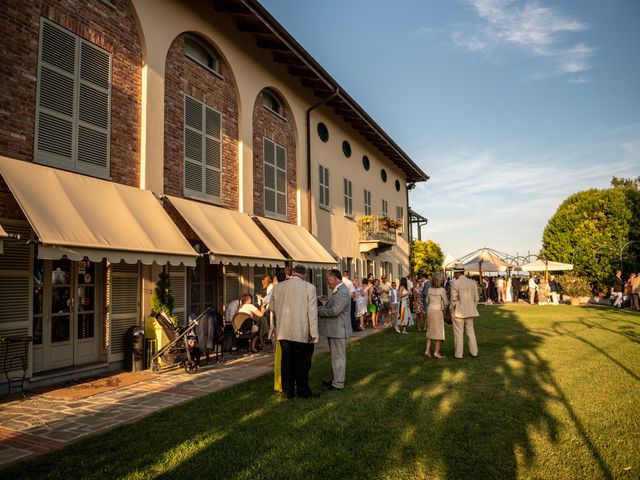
column 509, row 106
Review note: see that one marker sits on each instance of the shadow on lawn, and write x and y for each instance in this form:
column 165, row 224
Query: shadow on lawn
column 400, row 417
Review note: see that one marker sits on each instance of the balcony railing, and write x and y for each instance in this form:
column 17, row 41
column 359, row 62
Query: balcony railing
column 375, row 229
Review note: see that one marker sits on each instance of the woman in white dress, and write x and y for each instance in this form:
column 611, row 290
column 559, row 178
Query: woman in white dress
column 438, row 301
column 405, row 319
column 508, row 295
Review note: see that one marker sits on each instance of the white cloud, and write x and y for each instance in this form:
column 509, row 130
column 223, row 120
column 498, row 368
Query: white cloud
column 538, row 30
column 503, row 199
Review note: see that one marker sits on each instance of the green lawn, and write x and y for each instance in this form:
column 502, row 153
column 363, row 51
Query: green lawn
column 553, row 394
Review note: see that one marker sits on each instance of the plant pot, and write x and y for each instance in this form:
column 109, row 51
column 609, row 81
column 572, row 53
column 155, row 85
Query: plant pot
column 574, row 300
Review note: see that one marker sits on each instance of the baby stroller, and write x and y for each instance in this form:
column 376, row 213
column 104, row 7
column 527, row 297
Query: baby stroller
column 182, row 349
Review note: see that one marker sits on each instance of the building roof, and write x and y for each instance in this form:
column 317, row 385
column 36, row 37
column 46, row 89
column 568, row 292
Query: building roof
column 253, row 18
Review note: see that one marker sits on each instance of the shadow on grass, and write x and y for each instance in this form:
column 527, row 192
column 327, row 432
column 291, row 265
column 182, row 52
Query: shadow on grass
column 400, row 417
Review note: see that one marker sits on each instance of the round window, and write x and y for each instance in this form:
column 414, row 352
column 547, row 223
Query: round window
column 323, row 132
column 397, row 185
column 346, row 149
column 383, row 175
column 365, row 162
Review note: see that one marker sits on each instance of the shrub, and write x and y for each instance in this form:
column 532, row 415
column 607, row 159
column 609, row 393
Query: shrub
column 573, row 285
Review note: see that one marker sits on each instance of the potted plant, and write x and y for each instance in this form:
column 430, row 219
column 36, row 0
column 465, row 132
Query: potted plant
column 574, row 286
column 365, row 220
column 386, row 221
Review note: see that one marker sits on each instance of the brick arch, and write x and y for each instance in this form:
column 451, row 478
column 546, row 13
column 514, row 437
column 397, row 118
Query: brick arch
column 185, row 76
column 283, row 132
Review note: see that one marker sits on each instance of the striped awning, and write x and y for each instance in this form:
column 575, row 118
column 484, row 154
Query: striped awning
column 231, row 237
column 78, row 216
column 300, row 245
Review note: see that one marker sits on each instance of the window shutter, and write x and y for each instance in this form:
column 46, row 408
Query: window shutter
column 74, row 102
column 202, row 150
column 94, row 108
column 213, row 165
column 326, row 187
column 269, row 176
column 125, row 294
column 231, row 284
column 178, row 278
column 321, row 183
column 281, row 177
column 56, row 96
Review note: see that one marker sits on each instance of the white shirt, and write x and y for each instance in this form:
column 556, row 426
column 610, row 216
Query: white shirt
column 248, row 308
column 393, row 295
column 267, row 297
column 532, row 283
column 349, row 285
column 409, row 285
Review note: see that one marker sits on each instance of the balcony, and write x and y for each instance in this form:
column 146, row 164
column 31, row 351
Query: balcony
column 376, row 233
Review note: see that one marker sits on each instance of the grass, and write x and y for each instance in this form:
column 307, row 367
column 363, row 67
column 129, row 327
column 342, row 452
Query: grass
column 554, row 394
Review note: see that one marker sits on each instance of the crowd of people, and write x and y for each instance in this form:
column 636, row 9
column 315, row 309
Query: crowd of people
column 626, row 294
column 292, row 317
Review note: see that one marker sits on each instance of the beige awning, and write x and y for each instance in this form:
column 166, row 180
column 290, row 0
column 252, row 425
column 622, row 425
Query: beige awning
column 300, row 245
column 80, row 216
column 231, row 237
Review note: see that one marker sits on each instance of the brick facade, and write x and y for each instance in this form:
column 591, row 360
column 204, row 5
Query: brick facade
column 185, row 76
column 283, row 132
column 114, row 29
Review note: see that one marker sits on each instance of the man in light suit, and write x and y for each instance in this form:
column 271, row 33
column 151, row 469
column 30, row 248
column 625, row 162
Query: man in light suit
column 464, row 298
column 335, row 324
column 295, row 306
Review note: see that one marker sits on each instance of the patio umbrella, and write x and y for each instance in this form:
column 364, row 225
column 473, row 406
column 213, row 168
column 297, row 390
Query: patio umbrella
column 545, row 266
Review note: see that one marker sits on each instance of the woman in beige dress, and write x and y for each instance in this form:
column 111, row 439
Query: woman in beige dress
column 438, row 301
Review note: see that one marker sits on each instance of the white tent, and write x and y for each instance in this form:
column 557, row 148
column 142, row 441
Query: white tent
column 485, row 267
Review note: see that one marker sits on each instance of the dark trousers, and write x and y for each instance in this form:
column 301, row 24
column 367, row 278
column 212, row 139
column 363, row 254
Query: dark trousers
column 355, row 326
column 295, row 366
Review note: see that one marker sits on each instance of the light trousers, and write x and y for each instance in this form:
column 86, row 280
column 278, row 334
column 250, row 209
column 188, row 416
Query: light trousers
column 337, row 347
column 460, row 325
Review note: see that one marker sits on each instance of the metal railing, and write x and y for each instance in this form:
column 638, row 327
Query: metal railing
column 376, row 230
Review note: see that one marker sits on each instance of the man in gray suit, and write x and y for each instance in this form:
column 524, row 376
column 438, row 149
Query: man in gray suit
column 464, row 298
column 334, row 322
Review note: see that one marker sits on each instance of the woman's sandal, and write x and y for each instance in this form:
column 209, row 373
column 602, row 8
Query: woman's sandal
column 427, row 354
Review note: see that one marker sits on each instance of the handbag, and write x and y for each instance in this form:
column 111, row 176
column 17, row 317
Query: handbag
column 447, row 316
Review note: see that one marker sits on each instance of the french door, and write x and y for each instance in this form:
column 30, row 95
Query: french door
column 66, row 310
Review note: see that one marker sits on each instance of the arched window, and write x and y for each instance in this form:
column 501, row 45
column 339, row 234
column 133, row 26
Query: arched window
column 271, row 101
column 199, row 52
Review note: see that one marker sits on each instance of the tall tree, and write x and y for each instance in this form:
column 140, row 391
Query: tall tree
column 426, row 257
column 595, row 229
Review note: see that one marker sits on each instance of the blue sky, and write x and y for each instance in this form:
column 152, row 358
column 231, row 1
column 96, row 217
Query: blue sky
column 510, row 106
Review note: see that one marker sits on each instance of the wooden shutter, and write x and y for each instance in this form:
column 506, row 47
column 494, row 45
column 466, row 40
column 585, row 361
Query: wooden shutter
column 269, row 176
column 56, row 104
column 202, row 150
column 124, row 304
column 323, row 201
column 15, row 299
column 281, row 181
column 177, row 275
column 74, row 102
column 94, row 107
column 231, row 283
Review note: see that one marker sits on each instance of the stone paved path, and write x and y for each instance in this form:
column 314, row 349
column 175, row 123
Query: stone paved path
column 40, row 423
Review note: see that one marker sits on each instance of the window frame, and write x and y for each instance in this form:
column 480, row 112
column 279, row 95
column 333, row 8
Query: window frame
column 268, row 213
column 208, row 50
column 385, row 208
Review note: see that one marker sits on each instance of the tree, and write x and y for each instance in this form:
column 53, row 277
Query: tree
column 594, row 229
column 426, row 258
column 162, row 298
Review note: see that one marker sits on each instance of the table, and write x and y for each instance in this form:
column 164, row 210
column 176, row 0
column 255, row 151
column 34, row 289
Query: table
column 11, row 360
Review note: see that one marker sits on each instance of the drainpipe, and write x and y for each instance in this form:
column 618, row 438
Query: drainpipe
column 409, row 186
column 309, row 202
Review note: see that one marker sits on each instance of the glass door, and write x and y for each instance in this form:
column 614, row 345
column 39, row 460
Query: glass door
column 65, row 296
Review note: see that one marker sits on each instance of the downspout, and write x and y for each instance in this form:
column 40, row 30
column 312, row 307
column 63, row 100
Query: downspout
column 309, row 202
column 409, row 186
